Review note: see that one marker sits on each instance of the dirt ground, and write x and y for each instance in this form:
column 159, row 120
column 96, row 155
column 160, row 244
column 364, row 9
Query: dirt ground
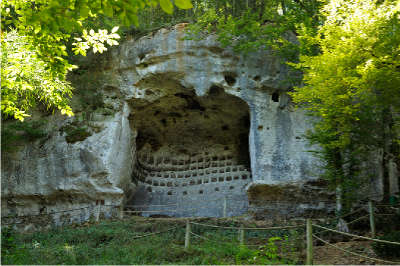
column 328, row 255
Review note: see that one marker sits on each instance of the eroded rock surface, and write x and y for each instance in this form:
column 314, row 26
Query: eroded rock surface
column 182, row 123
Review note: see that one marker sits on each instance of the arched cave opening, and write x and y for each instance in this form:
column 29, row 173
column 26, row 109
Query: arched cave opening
column 192, row 153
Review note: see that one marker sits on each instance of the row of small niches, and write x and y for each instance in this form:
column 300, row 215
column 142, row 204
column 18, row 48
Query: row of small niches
column 171, row 193
column 195, row 182
column 188, row 167
column 168, row 161
column 192, row 173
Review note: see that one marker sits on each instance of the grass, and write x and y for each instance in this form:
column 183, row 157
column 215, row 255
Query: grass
column 113, row 242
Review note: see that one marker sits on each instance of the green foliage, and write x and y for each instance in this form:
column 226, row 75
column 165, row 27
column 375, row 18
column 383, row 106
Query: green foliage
column 37, row 37
column 388, row 250
column 27, row 80
column 112, row 242
column 266, row 254
column 16, row 131
column 351, row 86
column 75, row 134
column 12, row 252
column 250, row 25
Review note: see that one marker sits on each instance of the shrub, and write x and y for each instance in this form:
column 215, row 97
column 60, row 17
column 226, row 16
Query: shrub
column 388, row 250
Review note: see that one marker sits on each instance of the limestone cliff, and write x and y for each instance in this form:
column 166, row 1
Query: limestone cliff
column 180, row 123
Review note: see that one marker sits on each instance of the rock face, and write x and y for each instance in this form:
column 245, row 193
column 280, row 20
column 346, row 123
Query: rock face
column 185, row 128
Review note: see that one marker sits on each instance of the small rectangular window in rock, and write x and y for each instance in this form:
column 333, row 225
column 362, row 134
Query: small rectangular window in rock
column 221, row 179
column 228, row 178
column 199, row 182
column 192, row 183
column 213, row 179
column 244, row 176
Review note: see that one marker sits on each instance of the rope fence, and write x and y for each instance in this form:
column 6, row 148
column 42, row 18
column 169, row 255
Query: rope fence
column 310, row 235
column 357, row 236
column 308, row 225
column 353, row 253
column 156, row 233
column 249, row 228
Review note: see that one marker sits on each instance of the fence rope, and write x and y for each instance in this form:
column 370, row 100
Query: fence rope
column 155, row 233
column 149, row 211
column 202, row 237
column 353, row 253
column 249, row 228
column 356, row 236
column 358, row 219
column 144, row 206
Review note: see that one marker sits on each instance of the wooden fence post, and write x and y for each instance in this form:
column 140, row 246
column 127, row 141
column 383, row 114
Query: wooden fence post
column 121, row 212
column 187, row 235
column 371, row 218
column 309, row 259
column 241, row 236
column 97, row 211
column 224, row 208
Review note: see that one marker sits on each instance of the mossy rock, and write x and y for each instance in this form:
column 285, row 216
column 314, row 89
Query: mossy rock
column 75, row 133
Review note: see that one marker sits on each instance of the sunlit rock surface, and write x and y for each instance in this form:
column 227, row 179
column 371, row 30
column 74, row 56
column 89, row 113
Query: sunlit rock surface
column 185, row 128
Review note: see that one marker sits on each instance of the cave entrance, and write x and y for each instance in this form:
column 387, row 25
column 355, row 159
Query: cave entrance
column 192, row 155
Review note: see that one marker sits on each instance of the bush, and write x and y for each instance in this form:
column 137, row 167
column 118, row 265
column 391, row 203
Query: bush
column 388, row 250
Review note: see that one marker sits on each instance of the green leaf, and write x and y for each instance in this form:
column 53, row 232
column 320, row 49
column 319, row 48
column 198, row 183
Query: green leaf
column 84, row 11
column 183, row 4
column 115, row 29
column 108, row 11
column 167, row 6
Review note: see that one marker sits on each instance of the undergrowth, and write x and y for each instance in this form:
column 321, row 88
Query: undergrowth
column 112, row 242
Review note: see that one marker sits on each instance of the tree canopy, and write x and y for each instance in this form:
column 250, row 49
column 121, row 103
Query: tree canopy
column 353, row 86
column 38, row 36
